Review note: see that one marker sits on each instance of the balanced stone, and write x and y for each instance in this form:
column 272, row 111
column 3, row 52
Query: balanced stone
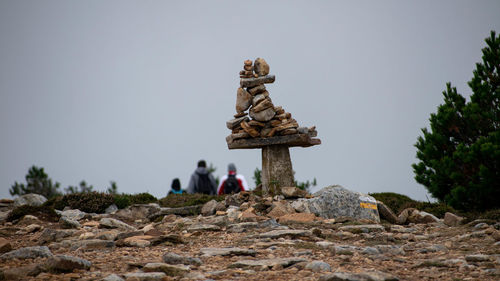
column 251, row 82
column 261, row 67
column 249, row 129
column 265, row 104
column 257, row 89
column 257, row 99
column 243, row 100
column 231, row 124
column 264, row 115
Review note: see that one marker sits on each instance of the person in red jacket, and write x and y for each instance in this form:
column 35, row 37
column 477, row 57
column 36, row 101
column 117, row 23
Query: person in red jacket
column 232, row 182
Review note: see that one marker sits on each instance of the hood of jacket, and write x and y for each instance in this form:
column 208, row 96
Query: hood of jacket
column 201, row 171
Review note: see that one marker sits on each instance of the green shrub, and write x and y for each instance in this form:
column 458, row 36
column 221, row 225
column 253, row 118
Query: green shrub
column 182, row 200
column 142, row 198
column 89, row 202
column 42, row 212
column 124, row 200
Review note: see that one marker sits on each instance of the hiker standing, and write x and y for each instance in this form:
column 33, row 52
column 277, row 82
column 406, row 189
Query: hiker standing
column 176, row 187
column 202, row 181
column 232, row 182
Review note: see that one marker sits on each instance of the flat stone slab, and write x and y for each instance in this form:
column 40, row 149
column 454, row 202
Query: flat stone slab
column 28, row 253
column 181, row 211
column 203, row 227
column 266, row 263
column 365, row 228
column 149, row 276
column 273, row 234
column 365, row 276
column 114, row 223
column 168, row 269
column 208, row 252
column 303, row 140
column 63, row 263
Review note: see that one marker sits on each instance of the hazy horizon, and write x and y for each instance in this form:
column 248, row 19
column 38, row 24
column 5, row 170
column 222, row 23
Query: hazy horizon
column 138, row 92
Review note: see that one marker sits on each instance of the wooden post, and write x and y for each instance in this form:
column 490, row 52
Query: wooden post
column 277, row 169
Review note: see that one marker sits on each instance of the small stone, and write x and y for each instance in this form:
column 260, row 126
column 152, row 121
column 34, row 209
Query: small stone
column 203, row 227
column 265, row 104
column 250, row 130
column 302, row 130
column 261, row 67
column 32, row 228
column 20, row 273
column 5, row 245
column 386, row 213
column 258, row 99
column 88, row 235
column 318, row 266
column 69, row 223
column 208, row 208
column 138, row 241
column 111, row 209
column 30, row 199
column 168, row 269
column 280, row 209
column 364, row 276
column 231, row 124
column 114, row 223
column 293, row 233
column 149, row 276
column 28, row 253
column 232, row 251
column 243, row 100
column 63, row 263
column 91, row 244
column 451, row 219
column 113, row 277
column 477, row 258
column 264, row 115
column 240, row 114
column 267, row 263
column 172, row 258
column 251, row 82
column 28, row 219
column 247, row 62
column 73, row 214
column 256, row 90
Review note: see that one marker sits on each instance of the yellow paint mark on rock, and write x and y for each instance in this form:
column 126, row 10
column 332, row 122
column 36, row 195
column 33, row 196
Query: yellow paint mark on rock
column 368, row 205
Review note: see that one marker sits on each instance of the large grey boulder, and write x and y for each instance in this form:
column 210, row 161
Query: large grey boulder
column 335, row 201
column 30, row 199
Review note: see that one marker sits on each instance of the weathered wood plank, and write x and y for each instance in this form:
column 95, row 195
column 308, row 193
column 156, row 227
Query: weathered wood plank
column 302, row 140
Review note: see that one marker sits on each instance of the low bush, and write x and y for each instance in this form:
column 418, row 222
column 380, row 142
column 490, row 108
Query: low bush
column 124, row 200
column 42, row 212
column 182, row 200
column 89, row 202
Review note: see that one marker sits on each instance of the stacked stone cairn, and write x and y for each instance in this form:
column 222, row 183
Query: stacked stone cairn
column 266, row 120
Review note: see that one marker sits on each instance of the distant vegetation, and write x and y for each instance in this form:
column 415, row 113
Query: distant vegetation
column 37, row 181
column 459, row 157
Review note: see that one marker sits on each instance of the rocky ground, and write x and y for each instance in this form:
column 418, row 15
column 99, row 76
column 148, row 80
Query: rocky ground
column 238, row 242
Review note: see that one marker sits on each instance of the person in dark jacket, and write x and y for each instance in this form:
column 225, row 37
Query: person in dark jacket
column 202, row 181
column 175, row 188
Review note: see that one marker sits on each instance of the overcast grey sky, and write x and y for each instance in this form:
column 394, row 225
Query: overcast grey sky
column 138, row 91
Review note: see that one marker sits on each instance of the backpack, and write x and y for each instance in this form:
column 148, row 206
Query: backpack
column 231, row 185
column 204, row 185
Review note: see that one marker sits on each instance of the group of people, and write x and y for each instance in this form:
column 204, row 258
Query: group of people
column 202, row 181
